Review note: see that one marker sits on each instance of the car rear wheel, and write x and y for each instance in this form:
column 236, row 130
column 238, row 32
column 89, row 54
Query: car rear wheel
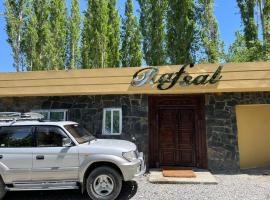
column 2, row 188
column 104, row 183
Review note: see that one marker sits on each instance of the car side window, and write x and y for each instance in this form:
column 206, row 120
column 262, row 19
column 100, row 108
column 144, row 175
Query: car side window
column 49, row 136
column 16, row 136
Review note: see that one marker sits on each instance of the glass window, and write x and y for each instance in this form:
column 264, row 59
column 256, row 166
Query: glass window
column 53, row 114
column 16, row 136
column 112, row 121
column 50, row 136
column 108, row 121
column 79, row 133
column 57, row 116
column 116, row 121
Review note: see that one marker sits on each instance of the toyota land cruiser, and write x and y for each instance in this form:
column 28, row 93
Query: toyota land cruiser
column 39, row 155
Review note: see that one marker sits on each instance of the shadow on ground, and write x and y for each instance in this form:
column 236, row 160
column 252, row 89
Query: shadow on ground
column 128, row 191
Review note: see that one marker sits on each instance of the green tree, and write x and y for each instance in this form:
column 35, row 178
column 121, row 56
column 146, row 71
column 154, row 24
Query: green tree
column 247, row 15
column 37, row 44
column 58, row 33
column 181, row 26
column 85, row 42
column 74, row 35
column 15, row 17
column 113, row 35
column 239, row 52
column 30, row 41
column 152, row 22
column 131, row 54
column 209, row 32
column 264, row 12
column 144, row 27
column 248, row 46
column 94, row 35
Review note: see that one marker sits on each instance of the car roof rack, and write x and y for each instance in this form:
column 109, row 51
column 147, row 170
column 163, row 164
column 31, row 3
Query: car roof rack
column 17, row 116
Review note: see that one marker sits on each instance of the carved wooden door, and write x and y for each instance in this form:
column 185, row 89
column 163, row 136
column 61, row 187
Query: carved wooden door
column 176, row 129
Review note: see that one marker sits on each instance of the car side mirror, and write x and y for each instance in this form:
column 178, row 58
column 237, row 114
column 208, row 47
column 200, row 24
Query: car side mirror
column 67, row 142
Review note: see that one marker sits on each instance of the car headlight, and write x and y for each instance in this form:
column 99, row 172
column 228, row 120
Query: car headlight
column 130, row 156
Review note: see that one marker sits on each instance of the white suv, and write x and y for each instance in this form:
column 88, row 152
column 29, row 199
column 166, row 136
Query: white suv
column 36, row 155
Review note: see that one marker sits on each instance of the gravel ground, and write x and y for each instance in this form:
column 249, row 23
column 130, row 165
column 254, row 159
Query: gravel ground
column 230, row 187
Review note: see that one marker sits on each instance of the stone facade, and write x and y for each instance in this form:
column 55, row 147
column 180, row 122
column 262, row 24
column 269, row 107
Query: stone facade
column 221, row 126
column 220, row 114
column 88, row 111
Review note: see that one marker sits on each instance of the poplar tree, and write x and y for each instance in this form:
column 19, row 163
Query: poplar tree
column 37, row 43
column 145, row 28
column 131, row 38
column 85, row 42
column 255, row 48
column 247, row 15
column 31, row 37
column 113, row 35
column 181, row 31
column 209, row 32
column 152, row 22
column 94, row 36
column 15, row 16
column 74, row 35
column 264, row 12
column 58, row 33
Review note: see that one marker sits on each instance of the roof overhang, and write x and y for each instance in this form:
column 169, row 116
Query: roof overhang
column 236, row 77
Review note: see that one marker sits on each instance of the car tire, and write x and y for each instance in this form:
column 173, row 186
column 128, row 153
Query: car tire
column 104, row 183
column 2, row 188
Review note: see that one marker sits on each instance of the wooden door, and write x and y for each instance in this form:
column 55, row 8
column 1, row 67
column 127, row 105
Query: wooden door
column 176, row 137
column 167, row 126
column 177, row 131
column 185, row 150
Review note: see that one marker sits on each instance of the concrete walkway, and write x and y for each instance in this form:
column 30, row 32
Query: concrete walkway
column 202, row 177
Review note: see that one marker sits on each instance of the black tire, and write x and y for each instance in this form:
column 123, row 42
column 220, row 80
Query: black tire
column 2, row 188
column 113, row 175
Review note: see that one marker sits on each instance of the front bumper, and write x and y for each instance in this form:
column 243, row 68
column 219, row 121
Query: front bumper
column 133, row 169
column 142, row 168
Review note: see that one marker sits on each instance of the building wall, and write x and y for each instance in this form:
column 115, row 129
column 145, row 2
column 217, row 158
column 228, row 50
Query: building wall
column 254, row 138
column 222, row 137
column 88, row 111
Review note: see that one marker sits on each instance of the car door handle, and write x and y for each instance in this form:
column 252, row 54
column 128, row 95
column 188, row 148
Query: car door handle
column 1, row 156
column 40, row 157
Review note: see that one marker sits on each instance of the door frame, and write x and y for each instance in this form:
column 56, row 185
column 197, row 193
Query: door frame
column 196, row 102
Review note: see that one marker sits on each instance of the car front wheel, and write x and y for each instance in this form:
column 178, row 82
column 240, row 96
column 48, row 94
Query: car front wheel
column 104, row 183
column 2, row 188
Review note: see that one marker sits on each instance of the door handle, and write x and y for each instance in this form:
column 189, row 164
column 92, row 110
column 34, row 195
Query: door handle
column 40, row 157
column 1, row 156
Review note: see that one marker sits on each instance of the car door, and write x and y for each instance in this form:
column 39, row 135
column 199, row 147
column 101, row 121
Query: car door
column 51, row 160
column 16, row 144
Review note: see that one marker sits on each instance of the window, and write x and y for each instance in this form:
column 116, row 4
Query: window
column 53, row 115
column 112, row 121
column 50, row 136
column 16, row 136
column 79, row 133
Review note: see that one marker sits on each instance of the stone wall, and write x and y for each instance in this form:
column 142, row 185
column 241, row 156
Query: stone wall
column 88, row 111
column 221, row 126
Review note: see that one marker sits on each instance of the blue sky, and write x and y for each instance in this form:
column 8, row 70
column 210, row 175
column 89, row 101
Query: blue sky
column 226, row 12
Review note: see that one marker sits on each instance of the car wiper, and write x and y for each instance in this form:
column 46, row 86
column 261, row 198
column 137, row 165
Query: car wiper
column 91, row 139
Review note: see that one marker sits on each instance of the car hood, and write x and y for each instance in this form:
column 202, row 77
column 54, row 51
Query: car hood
column 111, row 145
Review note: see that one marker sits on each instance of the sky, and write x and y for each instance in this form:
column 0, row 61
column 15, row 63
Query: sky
column 226, row 12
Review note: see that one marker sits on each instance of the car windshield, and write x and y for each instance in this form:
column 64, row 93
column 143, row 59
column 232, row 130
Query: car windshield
column 80, row 134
